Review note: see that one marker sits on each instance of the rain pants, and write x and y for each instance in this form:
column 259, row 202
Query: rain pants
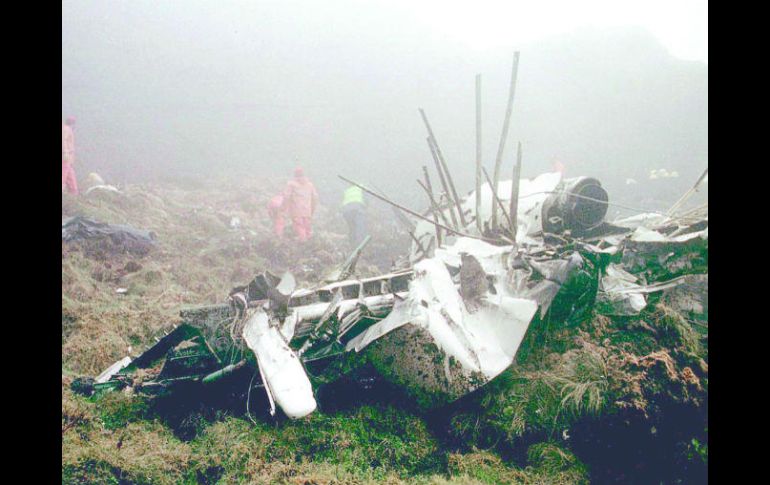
column 353, row 210
column 277, row 214
column 300, row 201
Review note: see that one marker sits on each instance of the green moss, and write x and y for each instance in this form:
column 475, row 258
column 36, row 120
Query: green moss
column 117, row 409
column 552, row 459
column 369, row 442
column 482, row 466
column 548, row 464
column 676, row 332
column 141, row 453
column 90, row 471
column 698, row 450
column 636, row 337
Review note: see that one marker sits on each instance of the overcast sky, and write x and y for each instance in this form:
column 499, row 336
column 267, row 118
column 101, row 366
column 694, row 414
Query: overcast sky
column 166, row 87
column 680, row 25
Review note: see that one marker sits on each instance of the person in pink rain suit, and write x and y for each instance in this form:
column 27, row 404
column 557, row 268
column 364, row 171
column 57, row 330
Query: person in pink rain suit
column 69, row 182
column 277, row 214
column 300, row 200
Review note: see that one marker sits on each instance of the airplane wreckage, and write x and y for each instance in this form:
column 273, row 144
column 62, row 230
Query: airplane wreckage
column 482, row 270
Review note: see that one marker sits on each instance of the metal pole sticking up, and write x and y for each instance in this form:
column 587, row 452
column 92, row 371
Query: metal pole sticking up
column 504, row 135
column 441, row 159
column 687, row 194
column 434, row 208
column 478, row 151
column 514, row 202
column 495, row 198
column 434, row 211
column 443, row 180
column 415, row 214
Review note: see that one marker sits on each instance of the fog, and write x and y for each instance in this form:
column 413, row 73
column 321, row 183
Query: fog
column 174, row 89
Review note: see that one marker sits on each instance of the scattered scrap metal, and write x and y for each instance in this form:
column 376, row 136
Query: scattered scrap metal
column 455, row 318
column 445, row 326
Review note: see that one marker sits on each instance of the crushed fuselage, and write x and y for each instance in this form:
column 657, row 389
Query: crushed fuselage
column 441, row 329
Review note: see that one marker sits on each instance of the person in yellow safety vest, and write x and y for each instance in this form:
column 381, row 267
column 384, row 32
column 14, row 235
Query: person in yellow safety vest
column 354, row 212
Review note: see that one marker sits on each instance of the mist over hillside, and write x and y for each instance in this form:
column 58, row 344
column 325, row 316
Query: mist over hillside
column 163, row 93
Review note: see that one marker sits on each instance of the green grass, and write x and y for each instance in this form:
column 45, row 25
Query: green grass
column 114, row 439
column 598, row 368
column 567, row 369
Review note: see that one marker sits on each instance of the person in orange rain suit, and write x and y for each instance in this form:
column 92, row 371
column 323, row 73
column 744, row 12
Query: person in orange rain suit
column 300, row 200
column 559, row 167
column 68, row 180
column 277, row 214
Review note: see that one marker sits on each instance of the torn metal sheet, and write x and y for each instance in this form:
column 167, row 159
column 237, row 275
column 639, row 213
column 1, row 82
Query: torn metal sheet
column 112, row 370
column 541, row 280
column 620, row 294
column 690, row 297
column 647, row 219
column 656, row 259
column 404, row 311
column 348, row 267
column 465, row 347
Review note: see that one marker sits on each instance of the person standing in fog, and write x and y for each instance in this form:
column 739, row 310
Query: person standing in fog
column 69, row 182
column 277, row 213
column 301, row 201
column 354, row 212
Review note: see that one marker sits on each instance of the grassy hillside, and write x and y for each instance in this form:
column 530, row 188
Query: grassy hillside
column 603, row 399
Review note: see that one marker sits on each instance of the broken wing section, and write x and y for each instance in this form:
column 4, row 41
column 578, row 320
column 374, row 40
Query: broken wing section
column 282, row 372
